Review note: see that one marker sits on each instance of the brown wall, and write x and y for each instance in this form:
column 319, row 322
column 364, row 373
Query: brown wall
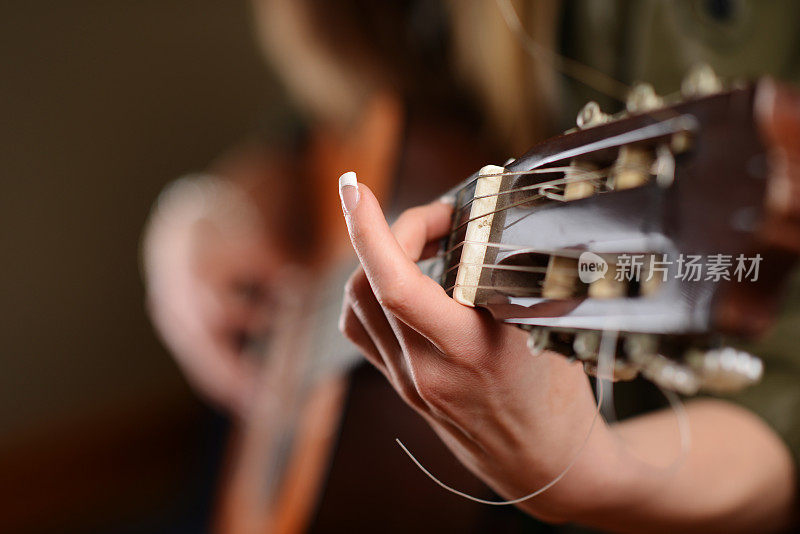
column 101, row 103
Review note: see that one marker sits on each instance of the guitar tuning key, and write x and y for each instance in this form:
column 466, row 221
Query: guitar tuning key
column 671, row 375
column 622, row 371
column 680, row 142
column 642, row 97
column 726, row 369
column 538, row 340
column 632, row 168
column 608, row 286
column 561, row 277
column 586, row 344
column 591, row 115
column 638, row 347
column 650, row 283
column 659, row 369
column 577, row 185
column 664, row 166
column 700, row 81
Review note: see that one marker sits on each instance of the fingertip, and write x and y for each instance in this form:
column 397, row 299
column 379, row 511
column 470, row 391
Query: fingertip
column 348, row 178
column 348, row 191
column 447, row 199
column 364, row 211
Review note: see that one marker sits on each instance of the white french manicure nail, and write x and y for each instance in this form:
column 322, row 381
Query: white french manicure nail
column 447, row 199
column 348, row 191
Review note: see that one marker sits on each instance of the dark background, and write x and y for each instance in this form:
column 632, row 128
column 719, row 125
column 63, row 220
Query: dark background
column 101, row 104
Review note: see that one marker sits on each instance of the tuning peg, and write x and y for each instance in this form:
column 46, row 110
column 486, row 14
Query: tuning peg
column 726, row 369
column 639, row 346
column 591, row 115
column 538, row 340
column 672, row 375
column 642, row 97
column 665, row 164
column 586, row 344
column 642, row 351
column 669, row 374
column 700, row 81
column 632, row 168
column 622, row 371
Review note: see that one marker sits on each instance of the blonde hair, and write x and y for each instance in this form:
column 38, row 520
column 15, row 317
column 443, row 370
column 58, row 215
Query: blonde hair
column 516, row 91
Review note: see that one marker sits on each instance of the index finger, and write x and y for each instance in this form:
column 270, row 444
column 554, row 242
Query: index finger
column 397, row 282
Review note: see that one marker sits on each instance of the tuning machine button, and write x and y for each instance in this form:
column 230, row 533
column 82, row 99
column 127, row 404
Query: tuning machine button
column 726, row 369
column 642, row 351
column 586, row 344
column 639, row 347
column 642, row 97
column 538, row 340
column 591, row 115
column 669, row 374
column 700, row 81
column 665, row 165
column 623, row 371
column 632, row 168
column 582, row 180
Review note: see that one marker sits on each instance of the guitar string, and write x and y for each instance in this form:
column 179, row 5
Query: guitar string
column 580, row 72
column 604, row 83
column 552, row 183
column 495, row 287
column 526, row 269
column 519, row 203
column 574, row 69
column 518, row 268
column 605, row 369
column 546, row 170
column 590, row 176
column 608, row 342
column 564, row 252
column 518, row 288
column 593, row 78
column 494, row 212
column 499, row 210
column 514, row 268
column 684, row 122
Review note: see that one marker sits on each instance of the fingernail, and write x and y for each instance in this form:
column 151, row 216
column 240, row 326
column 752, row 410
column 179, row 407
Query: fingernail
column 447, row 199
column 348, row 191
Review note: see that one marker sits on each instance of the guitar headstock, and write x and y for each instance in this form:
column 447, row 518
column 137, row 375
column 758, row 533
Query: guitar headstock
column 673, row 224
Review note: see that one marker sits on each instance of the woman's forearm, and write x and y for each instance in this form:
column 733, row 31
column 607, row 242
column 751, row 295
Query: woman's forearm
column 737, row 475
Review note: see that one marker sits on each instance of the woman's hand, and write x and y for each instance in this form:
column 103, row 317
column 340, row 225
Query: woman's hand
column 515, row 420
